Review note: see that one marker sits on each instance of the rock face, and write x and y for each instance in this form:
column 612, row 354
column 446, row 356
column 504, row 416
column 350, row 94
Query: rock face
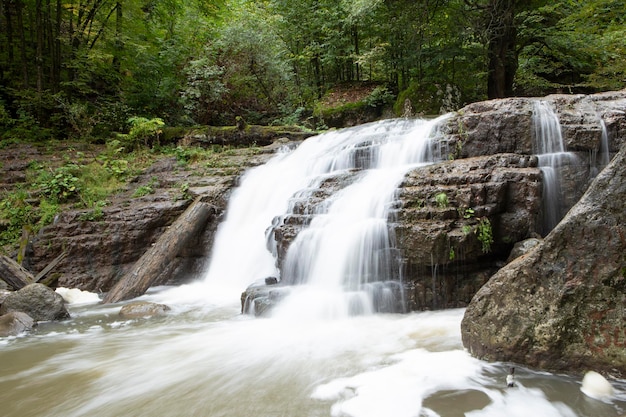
column 100, row 251
column 38, row 301
column 444, row 260
column 562, row 305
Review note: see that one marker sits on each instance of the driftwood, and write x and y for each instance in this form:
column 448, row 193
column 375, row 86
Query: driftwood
column 14, row 274
column 48, row 268
column 167, row 247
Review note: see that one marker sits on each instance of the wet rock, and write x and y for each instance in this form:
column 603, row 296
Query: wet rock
column 38, row 301
column 505, row 125
column 143, row 309
column 14, row 323
column 561, row 307
column 444, row 261
column 260, row 297
column 523, row 247
column 4, row 294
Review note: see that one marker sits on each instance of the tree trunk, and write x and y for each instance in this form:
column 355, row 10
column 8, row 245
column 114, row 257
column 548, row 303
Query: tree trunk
column 9, row 33
column 24, row 60
column 14, row 274
column 147, row 269
column 39, row 49
column 56, row 59
column 119, row 44
column 501, row 48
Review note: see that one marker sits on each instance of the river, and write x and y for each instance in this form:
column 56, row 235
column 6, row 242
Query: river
column 206, row 359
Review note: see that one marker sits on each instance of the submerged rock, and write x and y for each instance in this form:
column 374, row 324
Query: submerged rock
column 14, row 323
column 143, row 309
column 561, row 307
column 261, row 297
column 38, row 301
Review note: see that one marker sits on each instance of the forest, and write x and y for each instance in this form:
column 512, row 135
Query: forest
column 89, row 69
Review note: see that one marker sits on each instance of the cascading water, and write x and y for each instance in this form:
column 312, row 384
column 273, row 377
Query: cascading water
column 552, row 157
column 346, row 249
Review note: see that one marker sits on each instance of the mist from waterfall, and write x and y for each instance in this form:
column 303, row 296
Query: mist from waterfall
column 346, row 249
column 552, row 157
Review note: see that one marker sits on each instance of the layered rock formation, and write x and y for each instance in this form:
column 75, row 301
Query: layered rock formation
column 562, row 305
column 491, row 176
column 445, row 258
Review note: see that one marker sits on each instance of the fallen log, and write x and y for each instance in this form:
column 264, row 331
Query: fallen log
column 167, row 247
column 14, row 274
column 40, row 276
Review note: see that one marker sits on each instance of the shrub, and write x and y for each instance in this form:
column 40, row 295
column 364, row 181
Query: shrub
column 142, row 130
column 62, row 184
column 485, row 234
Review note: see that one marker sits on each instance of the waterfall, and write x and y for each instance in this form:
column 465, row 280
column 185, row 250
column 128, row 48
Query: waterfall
column 343, row 254
column 552, row 157
column 605, row 156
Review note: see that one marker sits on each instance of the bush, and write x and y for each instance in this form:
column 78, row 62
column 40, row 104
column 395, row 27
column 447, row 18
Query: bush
column 61, row 184
column 142, row 131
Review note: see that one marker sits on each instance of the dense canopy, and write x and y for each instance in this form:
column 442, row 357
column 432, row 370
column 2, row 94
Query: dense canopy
column 86, row 68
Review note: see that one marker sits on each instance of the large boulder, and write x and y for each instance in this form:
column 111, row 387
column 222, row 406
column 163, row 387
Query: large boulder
column 38, row 301
column 561, row 305
column 14, row 323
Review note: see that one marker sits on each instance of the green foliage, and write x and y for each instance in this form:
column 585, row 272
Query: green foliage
column 61, row 184
column 185, row 155
column 380, row 97
column 207, row 62
column 95, row 214
column 442, row 200
column 184, row 191
column 144, row 190
column 451, row 254
column 142, row 131
column 15, row 212
column 485, row 234
column 468, row 213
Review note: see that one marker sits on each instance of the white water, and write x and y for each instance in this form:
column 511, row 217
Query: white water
column 552, row 157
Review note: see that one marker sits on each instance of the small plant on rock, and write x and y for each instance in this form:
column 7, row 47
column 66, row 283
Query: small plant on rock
column 442, row 200
column 485, row 234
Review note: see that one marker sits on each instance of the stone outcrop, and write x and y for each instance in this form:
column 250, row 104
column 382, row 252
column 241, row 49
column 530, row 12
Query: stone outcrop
column 490, row 180
column 561, row 306
column 505, row 125
column 38, row 301
column 102, row 250
column 444, row 260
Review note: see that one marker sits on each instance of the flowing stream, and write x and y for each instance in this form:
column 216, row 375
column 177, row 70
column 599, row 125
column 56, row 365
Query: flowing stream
column 314, row 356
